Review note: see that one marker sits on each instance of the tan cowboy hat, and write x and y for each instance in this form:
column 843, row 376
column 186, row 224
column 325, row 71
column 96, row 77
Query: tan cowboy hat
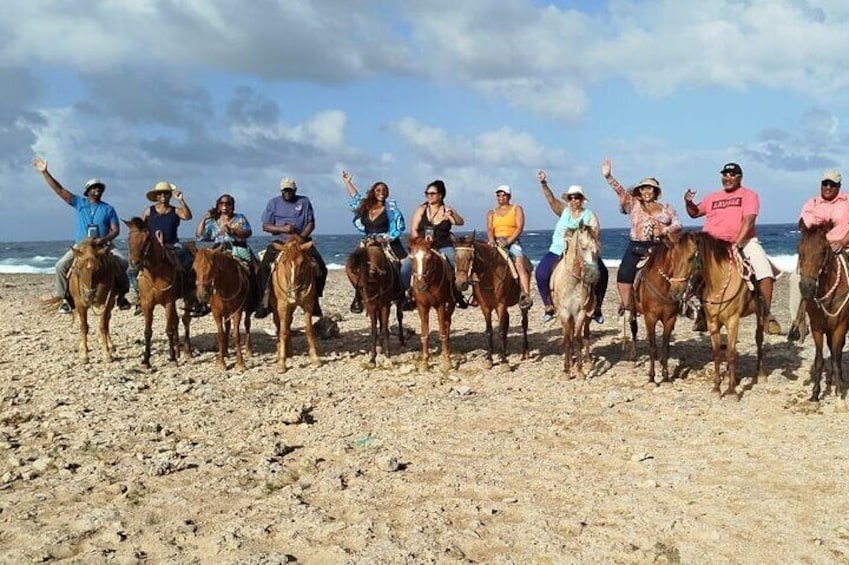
column 649, row 181
column 158, row 188
column 574, row 189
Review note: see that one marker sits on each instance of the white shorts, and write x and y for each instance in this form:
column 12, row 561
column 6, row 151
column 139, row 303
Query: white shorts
column 761, row 264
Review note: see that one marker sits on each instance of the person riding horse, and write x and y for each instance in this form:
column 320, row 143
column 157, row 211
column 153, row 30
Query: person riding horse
column 96, row 220
column 230, row 230
column 504, row 226
column 288, row 214
column 163, row 221
column 650, row 221
column 730, row 216
column 376, row 215
column 569, row 218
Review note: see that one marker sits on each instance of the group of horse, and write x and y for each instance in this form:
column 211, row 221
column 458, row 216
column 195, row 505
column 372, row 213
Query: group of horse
column 673, row 273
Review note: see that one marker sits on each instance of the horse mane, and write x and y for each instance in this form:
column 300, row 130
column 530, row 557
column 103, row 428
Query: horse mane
column 816, row 230
column 712, row 247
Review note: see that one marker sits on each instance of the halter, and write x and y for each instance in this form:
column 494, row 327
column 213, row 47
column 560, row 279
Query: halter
column 383, row 290
column 295, row 288
column 424, row 276
column 144, row 263
column 842, row 269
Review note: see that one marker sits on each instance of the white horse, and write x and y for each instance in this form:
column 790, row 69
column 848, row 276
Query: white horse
column 572, row 284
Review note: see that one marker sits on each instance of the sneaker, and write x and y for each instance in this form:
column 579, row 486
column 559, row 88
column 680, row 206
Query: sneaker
column 200, row 310
column 549, row 314
column 408, row 304
column 461, row 302
column 122, row 303
column 598, row 317
column 356, row 306
column 261, row 312
column 65, row 307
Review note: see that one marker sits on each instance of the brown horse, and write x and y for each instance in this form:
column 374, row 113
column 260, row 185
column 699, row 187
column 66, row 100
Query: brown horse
column 494, row 288
column 293, row 282
column 572, row 284
column 225, row 283
column 726, row 298
column 433, row 287
column 663, row 285
column 824, row 284
column 159, row 284
column 377, row 280
column 91, row 283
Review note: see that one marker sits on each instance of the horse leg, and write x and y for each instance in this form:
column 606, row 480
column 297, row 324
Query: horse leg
column 567, row 349
column 525, row 346
column 82, row 314
column 503, row 327
column 221, row 335
column 310, row 331
column 148, row 334
column 187, row 343
column 399, row 315
column 444, row 317
column 424, row 317
column 816, row 369
column 839, row 340
column 668, row 326
column 384, row 327
column 283, row 320
column 651, row 328
column 582, row 340
column 172, row 330
column 248, row 340
column 487, row 318
column 759, row 347
column 716, row 351
column 228, row 325
column 105, row 317
column 237, row 338
column 732, row 327
column 372, row 318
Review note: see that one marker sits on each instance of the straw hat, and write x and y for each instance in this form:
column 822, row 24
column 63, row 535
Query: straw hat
column 159, row 188
column 649, row 181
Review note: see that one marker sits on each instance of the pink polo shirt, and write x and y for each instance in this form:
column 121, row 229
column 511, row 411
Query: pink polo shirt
column 817, row 211
column 724, row 212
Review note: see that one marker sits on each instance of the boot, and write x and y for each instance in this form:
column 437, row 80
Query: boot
column 357, row 304
column 460, row 300
column 262, row 309
column 409, row 304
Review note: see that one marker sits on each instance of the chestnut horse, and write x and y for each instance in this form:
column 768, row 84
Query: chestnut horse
column 494, row 288
column 225, row 283
column 293, row 282
column 726, row 298
column 159, row 284
column 572, row 284
column 824, row 284
column 91, row 283
column 378, row 281
column 432, row 285
column 663, row 285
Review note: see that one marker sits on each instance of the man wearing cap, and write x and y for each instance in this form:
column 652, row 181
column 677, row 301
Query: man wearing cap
column 504, row 226
column 286, row 215
column 95, row 219
column 730, row 216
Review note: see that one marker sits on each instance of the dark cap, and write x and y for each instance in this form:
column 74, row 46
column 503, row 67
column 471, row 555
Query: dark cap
column 732, row 168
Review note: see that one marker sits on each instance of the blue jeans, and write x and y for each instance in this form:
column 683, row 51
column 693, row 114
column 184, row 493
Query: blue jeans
column 546, row 268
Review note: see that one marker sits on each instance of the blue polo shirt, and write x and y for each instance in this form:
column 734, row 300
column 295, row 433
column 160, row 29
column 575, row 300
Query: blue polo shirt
column 298, row 212
column 100, row 214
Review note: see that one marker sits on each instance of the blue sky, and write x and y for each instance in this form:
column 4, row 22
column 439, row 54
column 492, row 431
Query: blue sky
column 225, row 96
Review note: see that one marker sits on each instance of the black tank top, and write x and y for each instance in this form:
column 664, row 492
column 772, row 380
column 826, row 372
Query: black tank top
column 378, row 225
column 441, row 231
column 165, row 223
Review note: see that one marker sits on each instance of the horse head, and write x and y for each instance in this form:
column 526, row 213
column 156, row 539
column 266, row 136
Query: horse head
column 814, row 256
column 422, row 259
column 138, row 241
column 682, row 265
column 204, row 267
column 464, row 260
column 584, row 248
column 90, row 270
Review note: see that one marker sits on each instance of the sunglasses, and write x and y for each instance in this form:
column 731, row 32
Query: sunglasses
column 574, row 197
column 830, row 184
column 430, row 193
column 226, row 202
column 730, row 174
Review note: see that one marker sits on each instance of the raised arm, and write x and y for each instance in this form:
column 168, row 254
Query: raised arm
column 183, row 211
column 556, row 205
column 692, row 208
column 454, row 216
column 41, row 166
column 607, row 173
column 349, row 183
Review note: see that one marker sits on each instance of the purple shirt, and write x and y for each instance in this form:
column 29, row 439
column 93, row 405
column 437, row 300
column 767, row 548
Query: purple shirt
column 298, row 212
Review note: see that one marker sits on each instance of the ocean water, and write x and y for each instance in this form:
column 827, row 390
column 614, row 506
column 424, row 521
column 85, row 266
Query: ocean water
column 779, row 241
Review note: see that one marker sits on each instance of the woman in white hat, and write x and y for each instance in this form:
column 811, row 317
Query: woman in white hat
column 504, row 226
column 570, row 217
column 650, row 221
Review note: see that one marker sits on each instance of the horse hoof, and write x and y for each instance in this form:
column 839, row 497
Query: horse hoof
column 423, row 368
column 241, row 367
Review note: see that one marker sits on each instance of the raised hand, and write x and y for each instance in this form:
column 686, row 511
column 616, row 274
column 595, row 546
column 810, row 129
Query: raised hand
column 607, row 168
column 689, row 195
column 346, row 176
column 40, row 164
column 541, row 176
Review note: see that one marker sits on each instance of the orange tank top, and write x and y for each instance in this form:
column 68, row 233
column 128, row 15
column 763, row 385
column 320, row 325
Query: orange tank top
column 505, row 225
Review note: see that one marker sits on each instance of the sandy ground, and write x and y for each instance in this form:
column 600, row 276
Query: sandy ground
column 347, row 464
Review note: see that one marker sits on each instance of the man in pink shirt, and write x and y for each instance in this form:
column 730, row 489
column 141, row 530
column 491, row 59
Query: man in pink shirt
column 830, row 206
column 730, row 215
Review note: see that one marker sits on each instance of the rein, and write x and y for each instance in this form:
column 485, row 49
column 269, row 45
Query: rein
column 842, row 269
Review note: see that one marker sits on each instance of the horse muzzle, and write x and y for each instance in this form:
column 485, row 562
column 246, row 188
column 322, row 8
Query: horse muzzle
column 807, row 287
column 462, row 283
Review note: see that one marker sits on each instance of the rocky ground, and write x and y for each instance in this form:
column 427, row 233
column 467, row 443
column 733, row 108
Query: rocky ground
column 108, row 463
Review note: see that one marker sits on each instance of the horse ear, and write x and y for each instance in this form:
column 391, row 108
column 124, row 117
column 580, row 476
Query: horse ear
column 306, row 245
column 802, row 227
